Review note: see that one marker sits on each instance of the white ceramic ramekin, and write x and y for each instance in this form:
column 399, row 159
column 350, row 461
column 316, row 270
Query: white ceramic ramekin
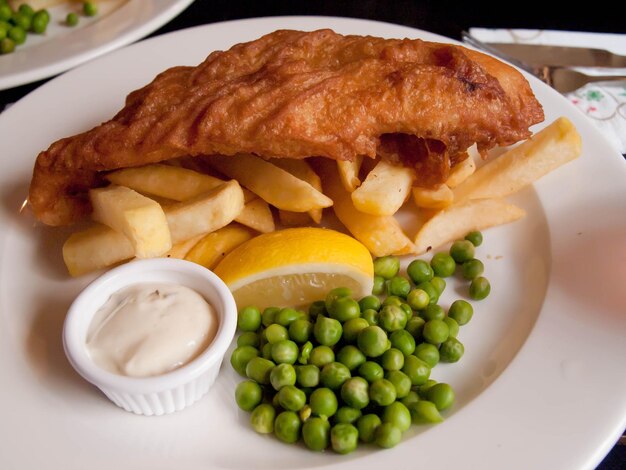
column 174, row 390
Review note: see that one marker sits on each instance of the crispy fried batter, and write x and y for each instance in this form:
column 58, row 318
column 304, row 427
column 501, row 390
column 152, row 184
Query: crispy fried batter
column 297, row 94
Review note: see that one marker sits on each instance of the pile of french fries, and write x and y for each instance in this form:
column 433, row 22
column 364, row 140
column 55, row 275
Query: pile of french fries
column 202, row 208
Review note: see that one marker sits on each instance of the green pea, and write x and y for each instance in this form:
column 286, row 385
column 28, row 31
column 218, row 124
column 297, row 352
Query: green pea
column 428, row 353
column 351, row 357
column 443, row 264
column 370, row 316
column 399, row 286
column 373, row 341
column 475, row 238
column 316, row 433
column 269, row 315
column 392, row 300
column 344, row 309
column 461, row 311
column 266, row 351
column 387, row 435
column 433, row 312
column 401, row 382
column 327, row 331
column 344, row 438
column 415, row 326
column 370, row 301
column 321, row 355
column 439, row 284
column 300, row 330
column 26, row 10
column 305, row 353
column 423, row 389
column 398, row 415
column 285, row 351
column 418, row 299
column 40, row 22
column 366, row 425
column 3, row 31
column 403, row 340
column 317, row 308
column 451, row 350
column 416, row 369
column 462, row 250
column 308, row 375
column 22, row 21
column 287, row 427
column 6, row 13
column 371, row 371
column 351, row 328
column 276, row 333
column 334, row 375
column 347, row 414
column 419, row 271
column 262, row 418
column 90, row 9
column 241, row 356
column 335, row 294
column 392, row 318
column 18, row 34
column 392, row 359
column 472, row 268
column 7, row 45
column 411, row 397
column 323, row 402
column 249, row 319
column 479, row 288
column 424, row 412
column 286, row 316
column 453, row 326
column 380, row 286
column 436, row 331
column 382, row 392
column 291, row 398
column 407, row 310
column 281, row 375
column 387, row 266
column 354, row 392
column 259, row 369
column 431, row 290
column 248, row 395
column 71, row 19
column 441, row 395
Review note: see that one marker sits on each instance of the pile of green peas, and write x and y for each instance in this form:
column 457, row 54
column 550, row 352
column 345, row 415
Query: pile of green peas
column 16, row 24
column 349, row 371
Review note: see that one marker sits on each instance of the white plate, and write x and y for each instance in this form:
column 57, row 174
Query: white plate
column 543, row 380
column 118, row 22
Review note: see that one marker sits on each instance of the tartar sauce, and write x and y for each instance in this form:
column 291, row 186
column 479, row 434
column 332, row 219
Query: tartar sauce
column 149, row 329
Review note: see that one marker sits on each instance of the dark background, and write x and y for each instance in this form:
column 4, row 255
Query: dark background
column 441, row 17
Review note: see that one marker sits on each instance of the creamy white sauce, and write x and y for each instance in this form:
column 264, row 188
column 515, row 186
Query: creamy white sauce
column 149, row 329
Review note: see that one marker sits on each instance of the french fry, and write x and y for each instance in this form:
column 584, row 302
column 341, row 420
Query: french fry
column 181, row 184
column 205, row 213
column 180, row 250
column 438, row 198
column 139, row 218
column 461, row 172
column 550, row 148
column 100, row 246
column 457, row 220
column 349, row 173
column 382, row 235
column 213, row 247
column 384, row 190
column 301, row 169
column 275, row 185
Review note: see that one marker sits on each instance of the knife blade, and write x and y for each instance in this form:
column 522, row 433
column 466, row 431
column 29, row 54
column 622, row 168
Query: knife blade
column 562, row 56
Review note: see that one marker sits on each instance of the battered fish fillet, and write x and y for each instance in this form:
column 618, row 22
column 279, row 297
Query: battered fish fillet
column 297, row 94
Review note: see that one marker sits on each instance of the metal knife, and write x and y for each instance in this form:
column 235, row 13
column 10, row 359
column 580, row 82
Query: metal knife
column 562, row 56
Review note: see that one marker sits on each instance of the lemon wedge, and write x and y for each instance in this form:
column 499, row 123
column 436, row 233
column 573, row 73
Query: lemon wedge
column 294, row 267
